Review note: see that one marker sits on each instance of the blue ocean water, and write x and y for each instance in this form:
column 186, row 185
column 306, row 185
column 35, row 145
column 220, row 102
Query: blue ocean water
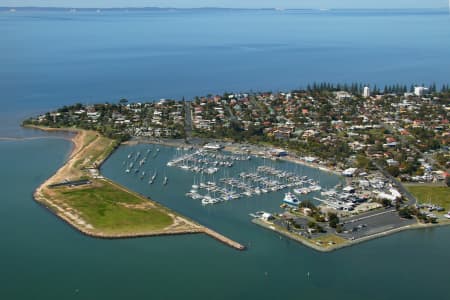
column 52, row 58
column 48, row 59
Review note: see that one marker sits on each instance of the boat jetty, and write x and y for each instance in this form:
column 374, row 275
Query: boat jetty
column 203, row 161
column 247, row 184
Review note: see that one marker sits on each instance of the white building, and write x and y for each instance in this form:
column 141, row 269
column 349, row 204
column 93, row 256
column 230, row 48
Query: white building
column 420, row 90
column 342, row 95
column 266, row 216
column 366, row 92
column 212, row 146
column 349, row 172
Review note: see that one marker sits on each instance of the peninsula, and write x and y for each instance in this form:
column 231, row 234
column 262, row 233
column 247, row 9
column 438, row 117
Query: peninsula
column 99, row 207
column 390, row 146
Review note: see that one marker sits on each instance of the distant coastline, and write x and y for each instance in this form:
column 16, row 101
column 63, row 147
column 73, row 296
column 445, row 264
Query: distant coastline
column 130, row 9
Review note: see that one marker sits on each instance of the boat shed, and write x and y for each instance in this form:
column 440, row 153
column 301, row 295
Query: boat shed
column 278, row 152
column 266, row 216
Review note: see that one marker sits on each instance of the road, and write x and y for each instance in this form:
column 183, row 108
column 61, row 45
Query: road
column 188, row 119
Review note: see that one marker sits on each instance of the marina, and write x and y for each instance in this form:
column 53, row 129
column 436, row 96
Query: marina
column 240, row 176
column 137, row 163
column 203, row 161
column 248, row 179
column 88, row 57
column 264, row 180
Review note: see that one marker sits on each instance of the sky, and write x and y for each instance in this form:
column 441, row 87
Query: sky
column 233, row 3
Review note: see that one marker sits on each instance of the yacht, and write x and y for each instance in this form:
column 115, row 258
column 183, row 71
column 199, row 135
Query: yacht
column 290, row 199
column 303, row 191
column 315, row 187
column 152, row 179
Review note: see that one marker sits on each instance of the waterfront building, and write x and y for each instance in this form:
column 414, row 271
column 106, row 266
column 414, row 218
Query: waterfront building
column 212, row 146
column 267, row 216
column 278, row 152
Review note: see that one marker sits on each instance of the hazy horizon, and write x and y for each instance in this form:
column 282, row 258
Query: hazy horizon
column 217, row 7
column 250, row 4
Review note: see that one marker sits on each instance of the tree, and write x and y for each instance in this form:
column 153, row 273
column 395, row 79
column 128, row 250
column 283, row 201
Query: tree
column 393, row 170
column 386, row 203
column 307, row 204
column 405, row 213
column 314, row 225
column 363, row 162
column 333, row 220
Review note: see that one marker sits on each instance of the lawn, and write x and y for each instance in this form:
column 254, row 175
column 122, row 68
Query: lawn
column 104, row 207
column 107, row 207
column 326, row 239
column 438, row 195
column 96, row 149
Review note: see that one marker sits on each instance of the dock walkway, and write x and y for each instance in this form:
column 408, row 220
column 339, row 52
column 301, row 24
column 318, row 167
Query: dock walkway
column 223, row 239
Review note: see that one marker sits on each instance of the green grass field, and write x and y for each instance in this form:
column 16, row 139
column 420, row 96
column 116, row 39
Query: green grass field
column 99, row 148
column 103, row 207
column 330, row 238
column 108, row 208
column 438, row 195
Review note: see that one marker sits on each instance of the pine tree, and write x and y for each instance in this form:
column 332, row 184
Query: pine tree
column 345, row 87
column 433, row 88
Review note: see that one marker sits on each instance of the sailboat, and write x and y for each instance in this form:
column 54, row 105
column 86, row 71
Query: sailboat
column 152, row 179
column 196, row 186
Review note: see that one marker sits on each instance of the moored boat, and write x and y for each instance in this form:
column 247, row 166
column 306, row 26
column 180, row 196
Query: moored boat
column 290, row 199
